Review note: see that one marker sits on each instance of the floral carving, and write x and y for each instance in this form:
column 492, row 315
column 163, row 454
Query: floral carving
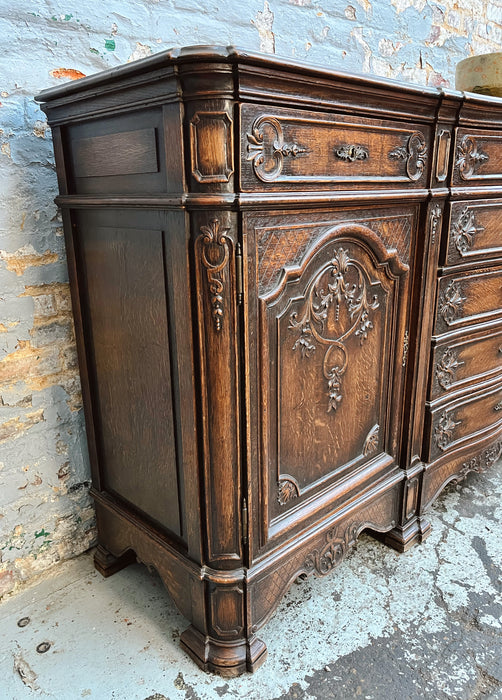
column 446, row 367
column 469, row 157
column 268, row 157
column 481, row 461
column 414, row 153
column 287, row 490
column 214, row 256
column 436, row 214
column 444, row 430
column 325, row 559
column 347, row 287
column 371, row 442
column 351, row 153
column 464, row 230
column 406, row 348
column 450, row 302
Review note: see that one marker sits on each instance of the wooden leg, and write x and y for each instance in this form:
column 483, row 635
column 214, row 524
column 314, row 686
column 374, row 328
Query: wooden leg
column 227, row 658
column 107, row 564
column 403, row 537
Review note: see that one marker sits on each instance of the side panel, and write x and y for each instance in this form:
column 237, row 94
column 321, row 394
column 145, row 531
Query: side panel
column 125, row 276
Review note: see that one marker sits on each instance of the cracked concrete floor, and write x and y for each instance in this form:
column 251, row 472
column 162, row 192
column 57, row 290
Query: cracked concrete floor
column 383, row 626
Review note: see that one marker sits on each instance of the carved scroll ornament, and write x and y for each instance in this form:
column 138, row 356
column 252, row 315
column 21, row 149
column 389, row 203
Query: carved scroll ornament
column 469, row 157
column 414, row 152
column 481, row 461
column 349, row 287
column 268, row 154
column 325, row 559
column 214, row 257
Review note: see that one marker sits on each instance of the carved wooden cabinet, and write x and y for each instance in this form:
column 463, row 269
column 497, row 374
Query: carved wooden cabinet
column 287, row 286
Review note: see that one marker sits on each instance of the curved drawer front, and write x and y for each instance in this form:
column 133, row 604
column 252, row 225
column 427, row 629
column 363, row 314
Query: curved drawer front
column 478, row 158
column 469, row 297
column 458, row 362
column 454, row 424
column 475, row 231
column 284, row 149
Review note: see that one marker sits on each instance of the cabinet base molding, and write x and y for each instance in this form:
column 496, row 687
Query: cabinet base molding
column 227, row 659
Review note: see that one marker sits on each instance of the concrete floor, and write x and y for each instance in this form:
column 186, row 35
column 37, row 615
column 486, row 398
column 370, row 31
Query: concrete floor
column 383, row 626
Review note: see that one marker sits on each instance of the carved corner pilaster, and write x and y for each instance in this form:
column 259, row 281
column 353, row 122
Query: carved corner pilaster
column 215, row 294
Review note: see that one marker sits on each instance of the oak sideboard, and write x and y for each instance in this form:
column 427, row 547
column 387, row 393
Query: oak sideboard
column 287, row 290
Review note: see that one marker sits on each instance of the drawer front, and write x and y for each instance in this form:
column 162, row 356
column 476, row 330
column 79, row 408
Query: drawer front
column 475, row 231
column 467, row 298
column 298, row 149
column 456, row 363
column 478, row 157
column 453, row 425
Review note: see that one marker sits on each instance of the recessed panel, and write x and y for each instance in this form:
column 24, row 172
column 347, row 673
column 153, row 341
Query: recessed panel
column 127, row 316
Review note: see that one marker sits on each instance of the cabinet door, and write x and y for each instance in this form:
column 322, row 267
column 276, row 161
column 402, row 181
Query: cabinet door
column 331, row 301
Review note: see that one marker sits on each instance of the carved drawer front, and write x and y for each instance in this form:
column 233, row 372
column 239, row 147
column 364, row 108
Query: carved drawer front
column 292, row 149
column 475, row 231
column 458, row 362
column 466, row 298
column 478, row 157
column 330, row 355
column 455, row 424
column 119, row 155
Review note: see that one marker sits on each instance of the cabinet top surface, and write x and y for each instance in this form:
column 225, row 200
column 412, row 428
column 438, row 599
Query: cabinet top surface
column 172, row 59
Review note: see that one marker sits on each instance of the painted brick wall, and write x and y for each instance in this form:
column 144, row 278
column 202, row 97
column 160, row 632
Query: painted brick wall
column 45, row 512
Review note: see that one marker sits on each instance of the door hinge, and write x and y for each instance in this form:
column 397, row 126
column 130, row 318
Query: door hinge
column 244, row 521
column 238, row 273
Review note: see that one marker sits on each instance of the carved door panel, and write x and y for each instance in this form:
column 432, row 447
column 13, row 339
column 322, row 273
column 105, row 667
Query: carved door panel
column 332, row 332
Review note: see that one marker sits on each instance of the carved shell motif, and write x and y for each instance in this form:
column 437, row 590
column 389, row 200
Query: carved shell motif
column 287, row 490
column 214, row 256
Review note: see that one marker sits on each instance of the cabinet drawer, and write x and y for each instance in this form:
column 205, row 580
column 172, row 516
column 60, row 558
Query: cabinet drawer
column 478, row 157
column 468, row 297
column 298, row 149
column 452, row 425
column 475, row 231
column 458, row 362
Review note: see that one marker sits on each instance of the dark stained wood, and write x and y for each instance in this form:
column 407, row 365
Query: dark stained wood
column 287, row 289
